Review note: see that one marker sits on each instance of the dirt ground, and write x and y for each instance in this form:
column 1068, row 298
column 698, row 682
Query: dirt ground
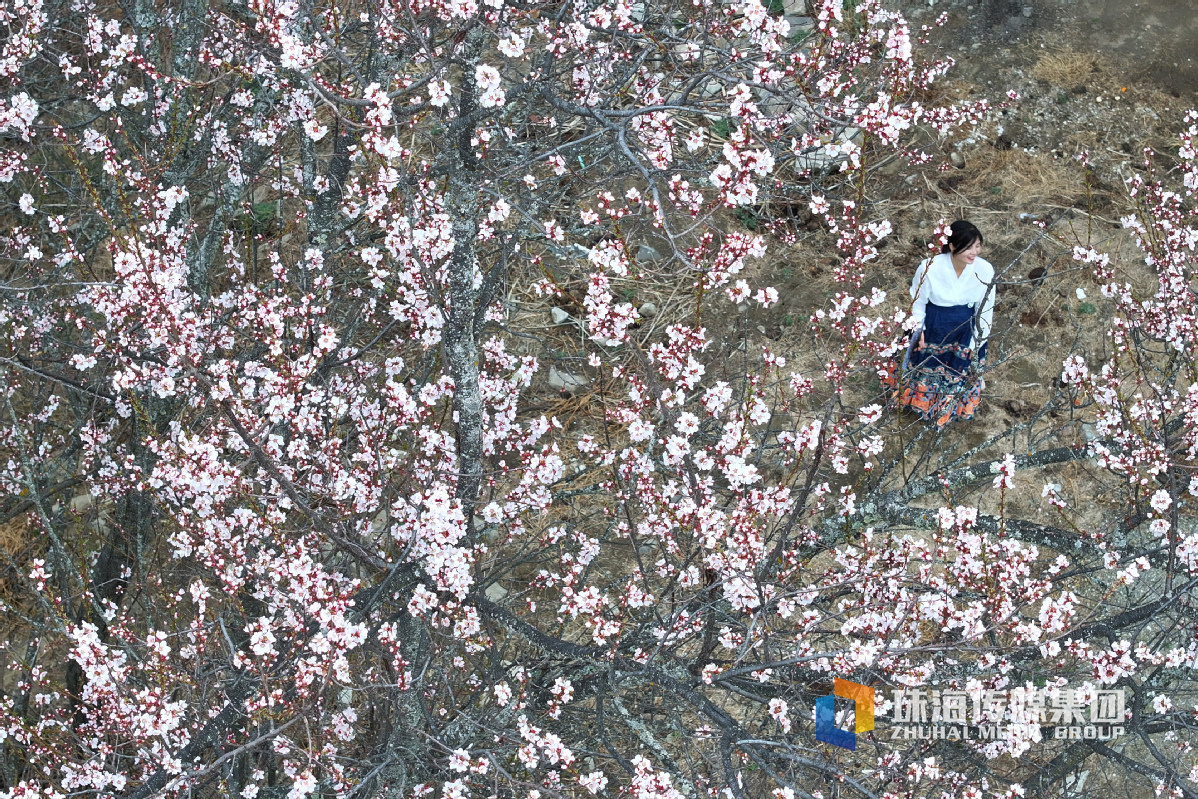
column 1122, row 66
column 1155, row 40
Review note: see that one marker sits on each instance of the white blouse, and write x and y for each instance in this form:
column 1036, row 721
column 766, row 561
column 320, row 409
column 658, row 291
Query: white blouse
column 936, row 281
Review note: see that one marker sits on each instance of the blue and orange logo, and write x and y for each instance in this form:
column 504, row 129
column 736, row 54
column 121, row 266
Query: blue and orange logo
column 825, row 714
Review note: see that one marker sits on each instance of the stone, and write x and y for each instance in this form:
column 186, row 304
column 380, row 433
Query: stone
column 646, row 254
column 799, row 25
column 648, row 310
column 817, row 161
column 490, row 533
column 566, row 382
column 814, row 160
column 559, row 316
column 1016, row 407
column 495, row 592
column 82, row 503
column 957, row 158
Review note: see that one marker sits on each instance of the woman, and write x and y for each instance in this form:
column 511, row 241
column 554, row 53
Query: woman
column 951, row 315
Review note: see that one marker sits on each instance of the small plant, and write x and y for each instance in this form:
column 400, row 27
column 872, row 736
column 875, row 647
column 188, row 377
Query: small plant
column 721, row 128
column 748, row 219
column 259, row 220
column 1086, row 308
column 1062, row 98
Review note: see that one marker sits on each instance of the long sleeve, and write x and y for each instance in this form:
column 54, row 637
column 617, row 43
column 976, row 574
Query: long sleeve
column 921, row 292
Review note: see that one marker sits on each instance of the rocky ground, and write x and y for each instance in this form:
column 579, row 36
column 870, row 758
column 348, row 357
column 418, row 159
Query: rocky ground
column 1105, row 76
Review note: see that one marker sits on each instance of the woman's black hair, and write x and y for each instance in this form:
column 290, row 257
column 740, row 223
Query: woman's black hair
column 961, row 237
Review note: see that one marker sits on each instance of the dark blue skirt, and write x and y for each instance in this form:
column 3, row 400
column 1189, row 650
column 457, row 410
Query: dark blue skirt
column 948, row 333
column 938, row 380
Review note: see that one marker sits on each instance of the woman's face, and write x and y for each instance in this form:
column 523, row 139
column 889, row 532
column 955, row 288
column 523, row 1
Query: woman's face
column 967, row 255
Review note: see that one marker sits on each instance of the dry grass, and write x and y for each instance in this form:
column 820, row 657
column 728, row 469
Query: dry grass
column 19, row 542
column 14, row 535
column 1065, row 67
column 1025, row 180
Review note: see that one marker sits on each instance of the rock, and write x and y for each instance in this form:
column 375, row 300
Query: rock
column 957, row 158
column 710, row 89
column 799, row 25
column 1016, row 407
column 490, row 533
column 566, row 382
column 559, row 316
column 495, row 592
column 82, row 503
column 648, row 310
column 1027, row 11
column 646, row 254
column 816, row 159
column 949, row 183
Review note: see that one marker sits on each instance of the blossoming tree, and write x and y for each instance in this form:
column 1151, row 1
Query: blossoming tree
column 297, row 530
